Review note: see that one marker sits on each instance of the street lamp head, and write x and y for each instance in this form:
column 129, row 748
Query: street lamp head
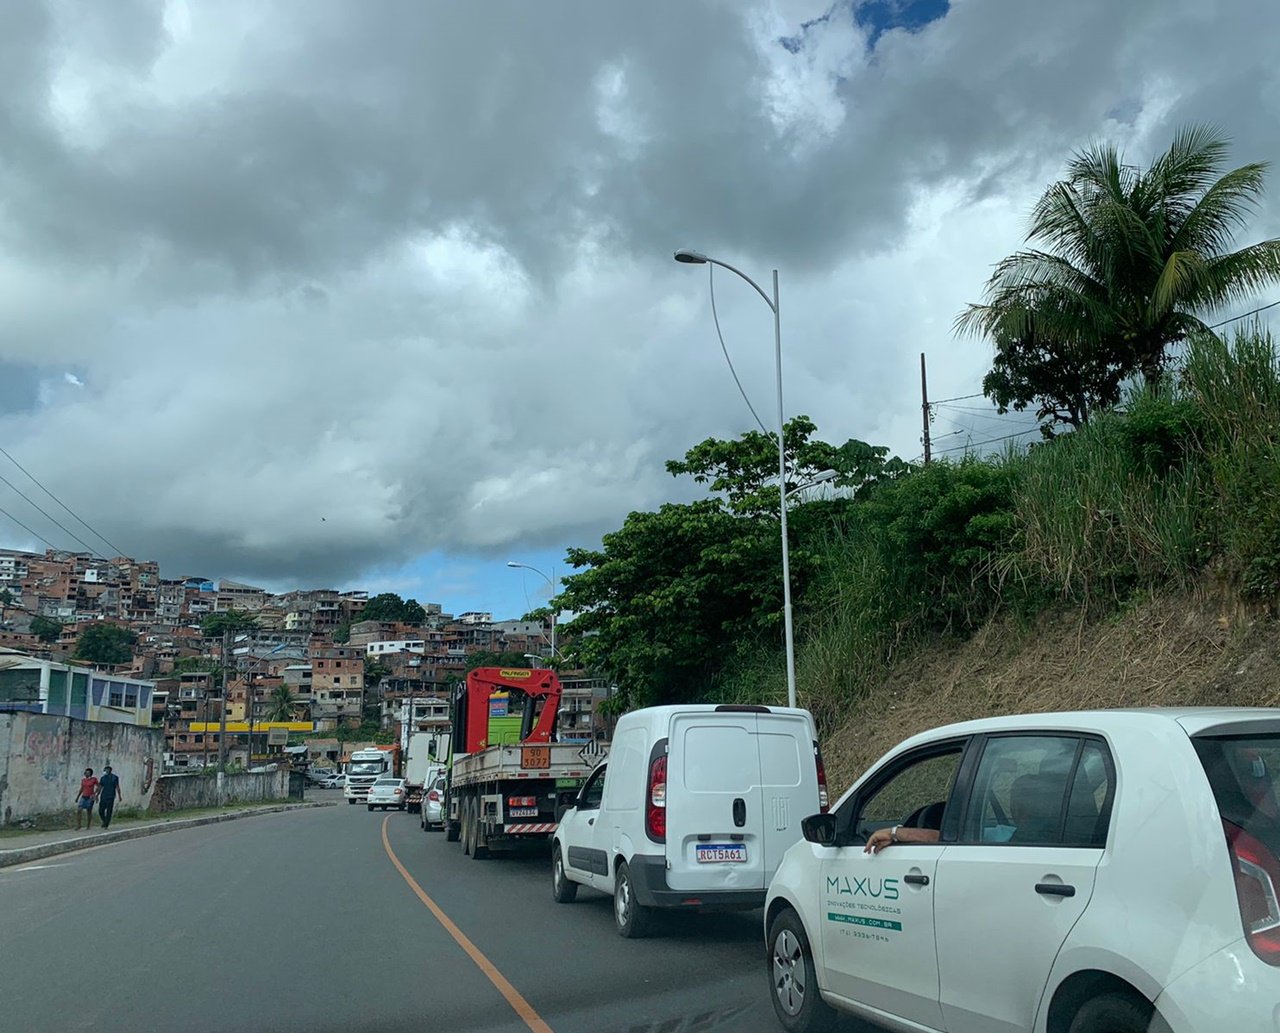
column 691, row 257
column 513, row 563
column 826, row 475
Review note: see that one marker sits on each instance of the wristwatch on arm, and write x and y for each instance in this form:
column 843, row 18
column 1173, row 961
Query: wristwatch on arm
column 893, row 833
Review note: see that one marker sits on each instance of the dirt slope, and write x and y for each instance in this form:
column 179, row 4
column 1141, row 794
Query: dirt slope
column 1200, row 648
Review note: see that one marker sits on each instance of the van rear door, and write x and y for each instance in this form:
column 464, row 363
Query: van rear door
column 788, row 780
column 715, row 804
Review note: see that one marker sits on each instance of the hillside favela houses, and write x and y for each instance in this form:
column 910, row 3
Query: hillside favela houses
column 116, row 641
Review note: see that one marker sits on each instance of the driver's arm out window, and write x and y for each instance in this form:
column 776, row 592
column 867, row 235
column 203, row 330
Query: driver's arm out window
column 915, row 796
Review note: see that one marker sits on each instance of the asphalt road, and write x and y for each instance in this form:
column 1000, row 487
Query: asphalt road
column 301, row 921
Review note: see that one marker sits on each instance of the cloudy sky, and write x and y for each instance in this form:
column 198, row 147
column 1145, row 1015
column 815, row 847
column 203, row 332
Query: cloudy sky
column 333, row 293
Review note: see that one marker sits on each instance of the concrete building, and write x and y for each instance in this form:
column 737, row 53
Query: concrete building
column 30, row 684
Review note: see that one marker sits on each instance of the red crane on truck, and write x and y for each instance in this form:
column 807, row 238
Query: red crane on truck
column 509, row 777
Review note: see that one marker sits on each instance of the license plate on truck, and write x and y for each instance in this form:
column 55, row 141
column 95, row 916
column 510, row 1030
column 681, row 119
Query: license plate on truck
column 721, row 853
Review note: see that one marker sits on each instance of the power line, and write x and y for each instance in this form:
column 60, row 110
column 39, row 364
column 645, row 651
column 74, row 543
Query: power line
column 991, row 441
column 83, row 523
column 34, row 534
column 959, row 398
column 17, row 491
column 1244, row 315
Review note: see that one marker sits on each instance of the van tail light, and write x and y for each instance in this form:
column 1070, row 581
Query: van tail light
column 824, row 799
column 1257, row 873
column 655, row 812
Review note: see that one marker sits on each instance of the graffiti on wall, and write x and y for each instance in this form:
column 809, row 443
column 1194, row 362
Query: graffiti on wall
column 45, row 750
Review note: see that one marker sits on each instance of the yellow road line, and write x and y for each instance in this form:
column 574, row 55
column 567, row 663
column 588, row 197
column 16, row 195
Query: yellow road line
column 514, row 998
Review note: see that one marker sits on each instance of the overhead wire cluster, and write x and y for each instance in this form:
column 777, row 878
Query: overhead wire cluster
column 74, row 536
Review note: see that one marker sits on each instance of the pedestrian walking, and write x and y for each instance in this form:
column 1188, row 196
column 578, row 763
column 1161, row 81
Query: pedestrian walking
column 84, row 801
column 108, row 795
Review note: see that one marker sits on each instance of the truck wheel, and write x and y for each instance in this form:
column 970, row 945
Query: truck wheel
column 351, row 799
column 466, row 827
column 633, row 919
column 370, row 808
column 563, row 889
column 479, row 844
column 796, row 1001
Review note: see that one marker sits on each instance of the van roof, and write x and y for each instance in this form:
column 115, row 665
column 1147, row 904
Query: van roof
column 665, row 713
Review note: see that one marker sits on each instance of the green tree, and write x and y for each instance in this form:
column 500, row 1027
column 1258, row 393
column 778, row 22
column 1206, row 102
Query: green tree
column 488, row 658
column 342, row 633
column 1125, row 262
column 235, row 621
column 105, row 644
column 413, row 612
column 280, row 704
column 46, row 629
column 374, row 671
column 389, row 607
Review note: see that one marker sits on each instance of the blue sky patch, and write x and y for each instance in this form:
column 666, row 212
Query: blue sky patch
column 876, row 17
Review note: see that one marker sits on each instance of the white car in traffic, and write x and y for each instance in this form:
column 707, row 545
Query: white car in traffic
column 432, row 815
column 387, row 792
column 1097, row 872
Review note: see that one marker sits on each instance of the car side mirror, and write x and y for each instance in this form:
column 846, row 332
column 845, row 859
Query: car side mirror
column 820, row 829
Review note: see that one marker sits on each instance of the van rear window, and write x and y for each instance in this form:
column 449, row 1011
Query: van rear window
column 1244, row 772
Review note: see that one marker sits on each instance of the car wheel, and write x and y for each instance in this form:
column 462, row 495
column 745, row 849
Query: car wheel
column 402, row 807
column 632, row 918
column 563, row 889
column 794, row 982
column 350, row 800
column 1117, row 1013
column 370, row 808
column 451, row 832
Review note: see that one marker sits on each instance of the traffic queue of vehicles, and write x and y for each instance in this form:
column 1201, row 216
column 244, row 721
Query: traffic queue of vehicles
column 1089, row 872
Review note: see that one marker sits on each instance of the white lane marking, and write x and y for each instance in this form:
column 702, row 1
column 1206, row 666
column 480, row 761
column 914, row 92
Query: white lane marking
column 41, row 867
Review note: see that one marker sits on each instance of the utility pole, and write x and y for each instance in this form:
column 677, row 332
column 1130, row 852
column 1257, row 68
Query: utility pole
column 924, row 411
column 222, row 715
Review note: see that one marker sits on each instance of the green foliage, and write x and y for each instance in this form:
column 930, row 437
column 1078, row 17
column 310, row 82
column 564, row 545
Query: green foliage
column 46, row 629
column 488, row 658
column 280, row 704
column 390, row 608
column 235, row 621
column 342, row 633
column 1126, row 261
column 374, row 671
column 105, row 644
column 193, row 664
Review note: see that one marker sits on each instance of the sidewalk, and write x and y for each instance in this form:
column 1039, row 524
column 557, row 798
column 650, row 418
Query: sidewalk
column 34, row 846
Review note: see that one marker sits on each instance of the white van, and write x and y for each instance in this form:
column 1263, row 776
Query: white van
column 694, row 809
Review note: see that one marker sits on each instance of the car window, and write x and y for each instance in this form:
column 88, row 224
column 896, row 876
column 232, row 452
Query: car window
column 593, row 791
column 1020, row 789
column 1089, row 806
column 1244, row 772
column 915, row 795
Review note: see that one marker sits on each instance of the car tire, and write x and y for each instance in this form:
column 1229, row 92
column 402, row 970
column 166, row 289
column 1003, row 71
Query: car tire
column 451, row 832
column 351, row 800
column 793, row 979
column 401, row 807
column 563, row 889
column 370, row 808
column 632, row 919
column 1116, row 1013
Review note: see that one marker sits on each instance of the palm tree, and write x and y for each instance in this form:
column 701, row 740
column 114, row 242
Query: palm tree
column 280, row 704
column 1128, row 263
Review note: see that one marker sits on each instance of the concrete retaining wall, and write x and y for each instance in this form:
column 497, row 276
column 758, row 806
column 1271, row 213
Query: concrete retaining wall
column 42, row 757
column 178, row 792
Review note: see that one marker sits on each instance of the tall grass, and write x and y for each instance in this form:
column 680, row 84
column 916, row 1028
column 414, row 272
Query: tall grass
column 1182, row 479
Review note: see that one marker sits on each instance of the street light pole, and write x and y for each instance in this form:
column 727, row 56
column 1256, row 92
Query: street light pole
column 552, row 585
column 690, row 257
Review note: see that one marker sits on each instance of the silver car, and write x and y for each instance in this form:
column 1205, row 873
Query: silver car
column 433, row 805
column 387, row 792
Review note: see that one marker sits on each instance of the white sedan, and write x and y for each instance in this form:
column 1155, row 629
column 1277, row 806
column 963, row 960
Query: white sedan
column 1096, row 872
column 433, row 805
column 387, row 792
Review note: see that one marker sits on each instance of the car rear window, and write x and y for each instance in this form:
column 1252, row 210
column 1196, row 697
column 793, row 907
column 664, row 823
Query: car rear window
column 1244, row 772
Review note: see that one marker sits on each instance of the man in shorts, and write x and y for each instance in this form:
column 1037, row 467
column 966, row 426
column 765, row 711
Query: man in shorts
column 108, row 795
column 84, row 802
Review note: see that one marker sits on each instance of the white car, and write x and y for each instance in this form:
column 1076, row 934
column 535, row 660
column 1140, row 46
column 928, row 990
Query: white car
column 387, row 792
column 334, row 782
column 698, row 807
column 433, row 805
column 1095, row 872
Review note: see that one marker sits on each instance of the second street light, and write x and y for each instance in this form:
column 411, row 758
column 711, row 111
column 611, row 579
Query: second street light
column 550, row 584
column 690, row 257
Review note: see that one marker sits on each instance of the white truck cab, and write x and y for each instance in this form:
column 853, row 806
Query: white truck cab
column 694, row 809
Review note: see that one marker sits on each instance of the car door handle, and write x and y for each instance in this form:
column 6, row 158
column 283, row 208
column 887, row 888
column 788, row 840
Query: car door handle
column 916, row 880
column 1055, row 889
column 591, row 821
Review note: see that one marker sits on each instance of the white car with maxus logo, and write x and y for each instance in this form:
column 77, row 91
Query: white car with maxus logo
column 695, row 809
column 1095, row 872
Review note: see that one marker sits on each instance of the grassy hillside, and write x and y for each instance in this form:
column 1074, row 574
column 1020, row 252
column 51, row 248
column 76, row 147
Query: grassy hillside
column 1112, row 566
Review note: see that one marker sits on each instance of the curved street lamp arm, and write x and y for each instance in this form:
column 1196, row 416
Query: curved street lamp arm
column 738, row 272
